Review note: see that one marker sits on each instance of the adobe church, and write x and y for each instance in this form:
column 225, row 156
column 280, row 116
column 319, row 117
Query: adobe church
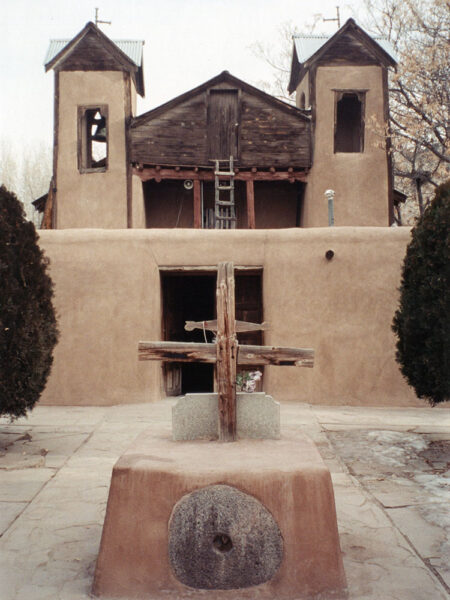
column 115, row 170
column 142, row 208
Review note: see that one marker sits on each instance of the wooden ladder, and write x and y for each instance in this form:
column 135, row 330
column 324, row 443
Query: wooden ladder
column 225, row 212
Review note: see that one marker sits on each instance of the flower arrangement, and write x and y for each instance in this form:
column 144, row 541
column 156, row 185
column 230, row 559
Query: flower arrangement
column 247, row 380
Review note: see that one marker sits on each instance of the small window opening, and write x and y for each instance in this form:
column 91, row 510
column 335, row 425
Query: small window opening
column 92, row 139
column 349, row 122
column 302, row 100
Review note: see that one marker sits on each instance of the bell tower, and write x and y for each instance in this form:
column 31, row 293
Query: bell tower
column 96, row 83
column 342, row 82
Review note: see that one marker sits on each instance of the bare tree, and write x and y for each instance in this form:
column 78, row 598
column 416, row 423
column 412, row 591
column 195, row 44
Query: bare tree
column 278, row 55
column 9, row 176
column 419, row 92
column 27, row 174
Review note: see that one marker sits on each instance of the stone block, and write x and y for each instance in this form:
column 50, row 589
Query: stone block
column 196, row 416
column 200, row 519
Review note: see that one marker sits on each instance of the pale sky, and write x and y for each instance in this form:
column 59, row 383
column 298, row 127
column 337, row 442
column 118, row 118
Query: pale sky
column 186, row 43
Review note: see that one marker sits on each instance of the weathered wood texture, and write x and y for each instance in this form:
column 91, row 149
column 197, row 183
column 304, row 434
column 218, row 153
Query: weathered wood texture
column 350, row 49
column 177, row 351
column 250, row 189
column 268, row 134
column 212, row 326
column 270, row 355
column 91, row 54
column 222, row 123
column 159, row 174
column 177, row 137
column 206, row 353
column 226, row 352
column 197, row 205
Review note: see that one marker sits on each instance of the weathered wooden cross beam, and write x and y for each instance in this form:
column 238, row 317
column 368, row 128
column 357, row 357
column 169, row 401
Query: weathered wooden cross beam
column 226, row 352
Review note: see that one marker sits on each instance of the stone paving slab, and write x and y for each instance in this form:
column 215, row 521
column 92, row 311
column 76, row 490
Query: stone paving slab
column 23, row 485
column 9, row 511
column 428, row 529
column 389, row 469
column 439, row 431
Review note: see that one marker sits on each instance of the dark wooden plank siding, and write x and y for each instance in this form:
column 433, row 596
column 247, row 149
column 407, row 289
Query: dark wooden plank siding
column 222, row 122
column 176, row 137
column 91, row 55
column 349, row 50
column 268, row 135
column 271, row 136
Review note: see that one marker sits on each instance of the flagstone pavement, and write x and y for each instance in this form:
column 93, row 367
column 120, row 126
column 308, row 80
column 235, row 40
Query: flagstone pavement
column 390, row 470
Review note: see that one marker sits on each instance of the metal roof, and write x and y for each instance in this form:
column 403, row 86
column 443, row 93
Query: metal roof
column 132, row 48
column 307, row 45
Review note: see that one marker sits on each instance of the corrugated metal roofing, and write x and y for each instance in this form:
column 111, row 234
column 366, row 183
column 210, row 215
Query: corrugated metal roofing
column 132, row 48
column 387, row 47
column 307, row 45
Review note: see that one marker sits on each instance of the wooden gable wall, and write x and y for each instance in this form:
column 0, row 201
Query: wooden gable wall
column 90, row 54
column 180, row 135
column 349, row 49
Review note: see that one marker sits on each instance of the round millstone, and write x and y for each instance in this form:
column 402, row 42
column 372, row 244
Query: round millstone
column 221, row 538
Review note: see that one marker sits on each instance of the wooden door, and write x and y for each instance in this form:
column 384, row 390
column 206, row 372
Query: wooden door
column 223, row 123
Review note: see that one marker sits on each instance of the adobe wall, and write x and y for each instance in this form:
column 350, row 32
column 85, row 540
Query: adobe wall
column 361, row 175
column 91, row 199
column 108, row 298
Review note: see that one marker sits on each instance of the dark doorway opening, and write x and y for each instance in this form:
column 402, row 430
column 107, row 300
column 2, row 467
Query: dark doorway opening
column 191, row 296
column 187, row 297
column 349, row 130
column 249, row 307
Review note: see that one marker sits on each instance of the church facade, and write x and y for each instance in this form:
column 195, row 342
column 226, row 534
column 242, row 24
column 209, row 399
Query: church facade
column 141, row 210
column 113, row 169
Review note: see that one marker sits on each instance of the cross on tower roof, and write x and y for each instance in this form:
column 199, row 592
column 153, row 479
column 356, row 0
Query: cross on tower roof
column 226, row 352
column 97, row 20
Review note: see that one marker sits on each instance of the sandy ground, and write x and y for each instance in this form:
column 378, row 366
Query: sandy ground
column 390, row 470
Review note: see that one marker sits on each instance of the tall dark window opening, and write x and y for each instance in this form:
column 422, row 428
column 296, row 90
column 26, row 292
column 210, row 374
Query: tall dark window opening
column 92, row 138
column 302, row 100
column 349, row 122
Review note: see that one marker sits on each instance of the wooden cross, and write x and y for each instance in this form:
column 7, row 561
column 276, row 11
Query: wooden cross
column 226, row 352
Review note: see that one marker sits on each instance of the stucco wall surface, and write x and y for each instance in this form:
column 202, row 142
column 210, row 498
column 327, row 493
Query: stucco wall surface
column 108, row 298
column 91, row 199
column 360, row 179
column 287, row 476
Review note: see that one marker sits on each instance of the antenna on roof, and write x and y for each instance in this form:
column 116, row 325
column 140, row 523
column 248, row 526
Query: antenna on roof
column 336, row 18
column 97, row 20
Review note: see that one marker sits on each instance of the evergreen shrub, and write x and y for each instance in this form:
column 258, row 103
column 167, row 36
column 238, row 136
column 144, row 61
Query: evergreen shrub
column 28, row 328
column 422, row 321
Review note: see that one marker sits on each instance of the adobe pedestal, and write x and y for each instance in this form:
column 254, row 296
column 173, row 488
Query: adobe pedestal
column 203, row 519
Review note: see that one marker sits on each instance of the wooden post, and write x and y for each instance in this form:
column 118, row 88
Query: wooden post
column 197, row 205
column 226, row 352
column 250, row 204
